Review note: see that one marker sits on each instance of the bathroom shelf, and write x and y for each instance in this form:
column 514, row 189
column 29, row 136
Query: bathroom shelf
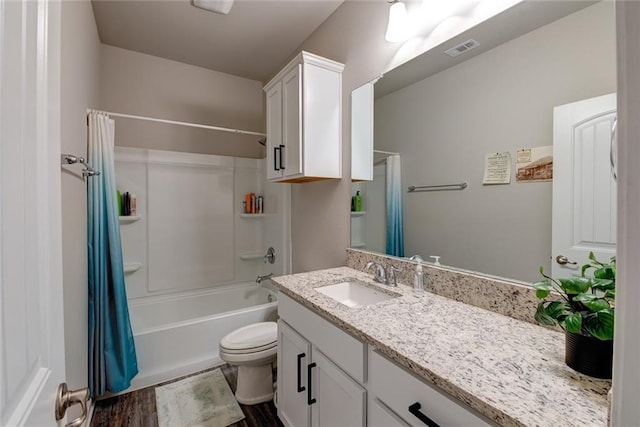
column 251, row 256
column 129, row 219
column 359, row 213
column 358, row 245
column 246, row 215
column 132, row 267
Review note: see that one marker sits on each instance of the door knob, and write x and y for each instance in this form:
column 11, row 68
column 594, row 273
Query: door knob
column 563, row 260
column 66, row 398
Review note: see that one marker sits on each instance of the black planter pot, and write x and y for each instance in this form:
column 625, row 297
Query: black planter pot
column 588, row 355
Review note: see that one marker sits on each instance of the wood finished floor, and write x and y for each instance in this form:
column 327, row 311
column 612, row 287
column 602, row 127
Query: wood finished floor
column 138, row 408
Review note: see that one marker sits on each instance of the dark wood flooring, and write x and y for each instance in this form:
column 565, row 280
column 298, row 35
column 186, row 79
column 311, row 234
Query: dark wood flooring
column 138, row 408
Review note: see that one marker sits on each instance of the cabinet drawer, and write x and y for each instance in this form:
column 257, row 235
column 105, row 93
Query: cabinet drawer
column 343, row 349
column 399, row 389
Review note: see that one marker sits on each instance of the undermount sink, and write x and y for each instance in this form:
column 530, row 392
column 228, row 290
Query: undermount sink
column 354, row 294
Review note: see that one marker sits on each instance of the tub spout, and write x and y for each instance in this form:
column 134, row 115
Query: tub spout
column 261, row 278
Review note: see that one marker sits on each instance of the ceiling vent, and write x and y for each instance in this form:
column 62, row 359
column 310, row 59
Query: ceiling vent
column 218, row 6
column 462, row 48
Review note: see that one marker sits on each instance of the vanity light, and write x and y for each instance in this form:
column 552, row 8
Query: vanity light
column 398, row 29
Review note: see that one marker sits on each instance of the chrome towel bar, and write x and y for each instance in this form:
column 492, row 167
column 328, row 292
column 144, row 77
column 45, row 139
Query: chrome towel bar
column 441, row 187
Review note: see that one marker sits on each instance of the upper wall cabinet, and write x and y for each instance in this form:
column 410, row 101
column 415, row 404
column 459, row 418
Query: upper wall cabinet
column 362, row 133
column 304, row 121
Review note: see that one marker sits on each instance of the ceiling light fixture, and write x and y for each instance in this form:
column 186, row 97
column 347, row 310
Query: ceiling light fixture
column 218, row 6
column 398, row 28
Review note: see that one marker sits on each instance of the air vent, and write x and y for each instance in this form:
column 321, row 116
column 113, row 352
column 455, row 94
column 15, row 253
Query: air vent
column 462, row 48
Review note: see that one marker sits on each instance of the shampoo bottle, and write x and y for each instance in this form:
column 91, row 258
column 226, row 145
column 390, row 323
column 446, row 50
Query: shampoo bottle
column 357, row 201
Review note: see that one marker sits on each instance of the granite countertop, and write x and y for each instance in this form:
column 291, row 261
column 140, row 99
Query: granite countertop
column 511, row 371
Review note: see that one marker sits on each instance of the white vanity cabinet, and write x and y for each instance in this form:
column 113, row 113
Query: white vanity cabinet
column 320, row 371
column 407, row 400
column 304, row 120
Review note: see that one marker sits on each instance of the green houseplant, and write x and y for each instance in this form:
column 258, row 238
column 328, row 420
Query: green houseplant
column 585, row 311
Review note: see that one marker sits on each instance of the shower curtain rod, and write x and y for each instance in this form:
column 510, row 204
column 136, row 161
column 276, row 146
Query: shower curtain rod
column 174, row 122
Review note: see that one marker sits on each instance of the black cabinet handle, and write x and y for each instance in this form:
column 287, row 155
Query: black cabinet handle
column 281, row 162
column 275, row 158
column 415, row 410
column 300, row 386
column 310, row 400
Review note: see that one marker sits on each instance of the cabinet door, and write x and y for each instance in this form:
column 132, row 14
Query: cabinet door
column 292, row 123
column 294, row 355
column 274, row 132
column 336, row 399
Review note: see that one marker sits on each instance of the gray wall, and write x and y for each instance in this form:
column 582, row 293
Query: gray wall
column 499, row 101
column 80, row 68
column 140, row 84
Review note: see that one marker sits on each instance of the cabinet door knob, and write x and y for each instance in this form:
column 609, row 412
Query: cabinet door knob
column 299, row 382
column 415, row 410
column 310, row 400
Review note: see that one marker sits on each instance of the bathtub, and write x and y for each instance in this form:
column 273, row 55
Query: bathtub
column 179, row 335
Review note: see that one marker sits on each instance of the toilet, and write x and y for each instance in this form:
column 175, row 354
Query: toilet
column 253, row 350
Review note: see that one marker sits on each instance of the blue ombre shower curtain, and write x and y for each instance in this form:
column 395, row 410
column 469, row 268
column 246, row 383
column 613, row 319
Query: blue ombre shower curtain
column 112, row 354
column 395, row 234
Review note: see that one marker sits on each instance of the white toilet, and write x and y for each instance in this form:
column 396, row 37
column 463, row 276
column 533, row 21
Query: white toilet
column 253, row 350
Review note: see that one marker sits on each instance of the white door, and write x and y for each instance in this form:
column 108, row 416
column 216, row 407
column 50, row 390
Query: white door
column 584, row 191
column 31, row 318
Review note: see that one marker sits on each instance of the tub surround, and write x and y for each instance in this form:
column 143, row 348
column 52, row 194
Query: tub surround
column 512, row 372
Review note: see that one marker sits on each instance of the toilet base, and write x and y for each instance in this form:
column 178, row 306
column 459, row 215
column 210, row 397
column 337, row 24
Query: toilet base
column 255, row 384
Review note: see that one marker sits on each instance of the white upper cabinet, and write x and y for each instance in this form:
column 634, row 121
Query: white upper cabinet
column 304, row 121
column 362, row 133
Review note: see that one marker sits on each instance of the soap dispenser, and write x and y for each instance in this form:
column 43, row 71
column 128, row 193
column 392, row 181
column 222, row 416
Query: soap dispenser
column 418, row 278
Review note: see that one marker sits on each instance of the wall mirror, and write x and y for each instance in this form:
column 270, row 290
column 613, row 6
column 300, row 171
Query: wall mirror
column 443, row 115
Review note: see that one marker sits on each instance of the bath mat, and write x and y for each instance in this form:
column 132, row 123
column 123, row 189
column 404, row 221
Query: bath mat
column 204, row 400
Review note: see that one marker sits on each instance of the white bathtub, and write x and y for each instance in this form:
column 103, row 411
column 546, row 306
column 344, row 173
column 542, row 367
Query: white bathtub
column 179, row 335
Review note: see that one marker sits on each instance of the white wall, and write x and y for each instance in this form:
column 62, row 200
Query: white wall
column 80, row 71
column 501, row 100
column 146, row 85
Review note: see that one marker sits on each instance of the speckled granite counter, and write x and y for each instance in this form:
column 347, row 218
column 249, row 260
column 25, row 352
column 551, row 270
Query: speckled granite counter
column 511, row 371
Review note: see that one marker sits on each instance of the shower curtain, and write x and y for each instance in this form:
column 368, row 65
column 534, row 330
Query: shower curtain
column 112, row 354
column 395, row 235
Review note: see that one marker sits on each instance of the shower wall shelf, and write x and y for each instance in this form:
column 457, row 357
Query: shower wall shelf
column 132, row 267
column 250, row 256
column 359, row 213
column 246, row 215
column 128, row 219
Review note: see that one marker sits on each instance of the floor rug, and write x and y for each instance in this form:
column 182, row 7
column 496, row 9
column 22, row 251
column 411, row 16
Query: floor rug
column 204, row 400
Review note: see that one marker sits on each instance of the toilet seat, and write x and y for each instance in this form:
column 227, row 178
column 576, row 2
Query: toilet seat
column 251, row 339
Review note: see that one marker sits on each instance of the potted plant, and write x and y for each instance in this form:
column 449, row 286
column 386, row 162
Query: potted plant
column 585, row 310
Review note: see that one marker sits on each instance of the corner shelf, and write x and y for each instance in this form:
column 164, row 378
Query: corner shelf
column 358, row 245
column 128, row 219
column 246, row 215
column 248, row 256
column 359, row 213
column 132, row 267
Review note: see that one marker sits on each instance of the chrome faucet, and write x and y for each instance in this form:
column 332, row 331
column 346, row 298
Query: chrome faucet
column 261, row 278
column 385, row 276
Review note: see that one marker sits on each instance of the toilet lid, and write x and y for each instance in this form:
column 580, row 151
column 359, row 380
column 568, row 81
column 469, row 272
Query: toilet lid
column 263, row 334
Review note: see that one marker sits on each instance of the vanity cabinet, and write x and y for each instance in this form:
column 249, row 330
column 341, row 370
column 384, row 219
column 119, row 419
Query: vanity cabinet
column 304, row 121
column 399, row 394
column 314, row 387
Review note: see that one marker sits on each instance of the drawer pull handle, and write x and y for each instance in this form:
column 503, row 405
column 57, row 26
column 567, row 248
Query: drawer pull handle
column 275, row 158
column 415, row 410
column 299, row 382
column 281, row 162
column 310, row 400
